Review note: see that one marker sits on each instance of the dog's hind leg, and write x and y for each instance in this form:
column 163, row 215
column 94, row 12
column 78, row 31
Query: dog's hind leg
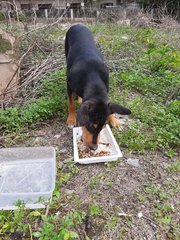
column 71, row 120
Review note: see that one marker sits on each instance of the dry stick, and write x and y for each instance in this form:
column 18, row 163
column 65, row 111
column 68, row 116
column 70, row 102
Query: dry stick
column 47, row 209
column 150, row 220
column 35, row 73
column 43, row 67
column 30, row 231
column 28, row 72
column 9, row 17
column 43, row 27
column 16, row 10
column 35, row 16
column 36, row 45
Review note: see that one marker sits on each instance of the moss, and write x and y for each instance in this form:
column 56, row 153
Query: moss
column 5, row 45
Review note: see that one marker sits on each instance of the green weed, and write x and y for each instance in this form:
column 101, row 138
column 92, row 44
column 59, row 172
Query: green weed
column 22, row 221
column 94, row 210
column 53, row 229
column 49, row 103
column 173, row 167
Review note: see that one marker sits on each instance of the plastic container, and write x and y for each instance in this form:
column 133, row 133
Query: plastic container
column 28, row 175
column 115, row 152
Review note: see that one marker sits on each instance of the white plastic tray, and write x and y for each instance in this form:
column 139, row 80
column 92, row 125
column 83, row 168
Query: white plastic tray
column 27, row 174
column 115, row 152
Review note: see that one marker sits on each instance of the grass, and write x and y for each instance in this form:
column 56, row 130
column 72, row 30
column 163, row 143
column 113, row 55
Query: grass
column 153, row 75
column 22, row 222
column 144, row 76
column 16, row 221
column 162, row 208
column 51, row 102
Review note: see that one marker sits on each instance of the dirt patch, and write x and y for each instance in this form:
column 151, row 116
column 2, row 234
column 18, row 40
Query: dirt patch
column 114, row 187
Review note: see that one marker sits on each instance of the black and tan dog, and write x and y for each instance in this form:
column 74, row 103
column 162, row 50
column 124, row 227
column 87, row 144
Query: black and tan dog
column 88, row 78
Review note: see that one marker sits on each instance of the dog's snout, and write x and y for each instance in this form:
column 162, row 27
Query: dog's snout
column 89, row 140
column 93, row 147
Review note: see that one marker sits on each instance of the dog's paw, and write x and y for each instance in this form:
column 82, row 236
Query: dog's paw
column 71, row 122
column 115, row 122
column 120, row 127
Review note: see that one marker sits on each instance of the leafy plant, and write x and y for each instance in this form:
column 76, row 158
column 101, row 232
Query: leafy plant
column 94, row 210
column 50, row 102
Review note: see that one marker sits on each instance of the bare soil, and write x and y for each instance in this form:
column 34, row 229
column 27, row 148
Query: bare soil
column 113, row 187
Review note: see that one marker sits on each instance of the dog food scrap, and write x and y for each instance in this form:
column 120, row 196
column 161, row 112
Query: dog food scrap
column 93, row 154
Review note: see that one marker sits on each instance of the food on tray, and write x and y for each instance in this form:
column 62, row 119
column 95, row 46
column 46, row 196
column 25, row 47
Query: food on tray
column 102, row 150
column 93, row 154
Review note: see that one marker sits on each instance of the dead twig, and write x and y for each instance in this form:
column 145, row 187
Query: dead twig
column 47, row 210
column 30, row 231
column 37, row 45
column 30, row 79
column 150, row 220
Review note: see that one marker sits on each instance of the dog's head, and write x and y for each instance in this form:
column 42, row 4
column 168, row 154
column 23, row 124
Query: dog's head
column 92, row 116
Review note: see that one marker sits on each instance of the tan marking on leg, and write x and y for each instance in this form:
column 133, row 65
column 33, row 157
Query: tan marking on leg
column 86, row 137
column 114, row 122
column 80, row 100
column 71, row 120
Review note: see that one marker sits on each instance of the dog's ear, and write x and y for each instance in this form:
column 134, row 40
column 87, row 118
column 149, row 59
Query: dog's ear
column 115, row 108
column 83, row 113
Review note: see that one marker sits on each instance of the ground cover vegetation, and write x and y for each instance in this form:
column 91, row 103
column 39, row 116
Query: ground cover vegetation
column 114, row 200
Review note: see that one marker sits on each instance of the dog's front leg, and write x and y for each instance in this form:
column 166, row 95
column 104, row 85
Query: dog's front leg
column 114, row 121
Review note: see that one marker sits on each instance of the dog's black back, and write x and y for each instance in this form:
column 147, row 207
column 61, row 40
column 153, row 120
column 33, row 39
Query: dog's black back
column 84, row 63
column 79, row 44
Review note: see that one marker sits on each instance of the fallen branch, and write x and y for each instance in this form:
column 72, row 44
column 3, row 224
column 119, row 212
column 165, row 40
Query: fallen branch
column 18, row 66
column 31, row 78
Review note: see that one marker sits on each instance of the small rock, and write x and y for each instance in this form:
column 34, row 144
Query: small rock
column 69, row 191
column 57, row 213
column 133, row 162
column 64, row 150
column 63, row 133
column 57, row 136
column 124, row 37
column 37, row 140
column 123, row 121
column 124, row 22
